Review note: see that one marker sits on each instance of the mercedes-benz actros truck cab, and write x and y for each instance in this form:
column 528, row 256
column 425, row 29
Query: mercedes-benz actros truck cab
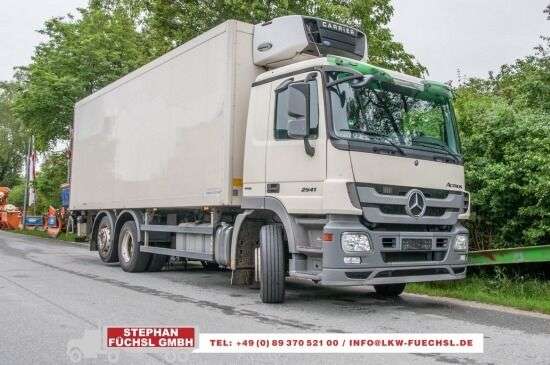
column 274, row 150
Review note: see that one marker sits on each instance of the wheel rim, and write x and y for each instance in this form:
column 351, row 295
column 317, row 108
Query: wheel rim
column 104, row 239
column 127, row 246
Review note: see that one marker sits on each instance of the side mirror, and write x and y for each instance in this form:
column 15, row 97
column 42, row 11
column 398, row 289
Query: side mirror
column 297, row 128
column 298, row 109
column 298, row 100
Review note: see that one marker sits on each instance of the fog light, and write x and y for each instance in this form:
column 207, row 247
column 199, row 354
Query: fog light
column 462, row 258
column 352, row 260
column 355, row 242
column 461, row 242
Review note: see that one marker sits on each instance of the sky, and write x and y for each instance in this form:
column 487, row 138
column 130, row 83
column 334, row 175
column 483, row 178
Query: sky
column 475, row 36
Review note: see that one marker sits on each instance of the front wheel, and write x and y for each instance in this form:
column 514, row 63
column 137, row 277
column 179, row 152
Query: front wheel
column 390, row 290
column 272, row 264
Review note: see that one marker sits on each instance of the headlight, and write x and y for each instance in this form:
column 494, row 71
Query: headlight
column 461, row 242
column 355, row 242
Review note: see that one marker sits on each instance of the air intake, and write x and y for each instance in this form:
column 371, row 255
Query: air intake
column 294, row 38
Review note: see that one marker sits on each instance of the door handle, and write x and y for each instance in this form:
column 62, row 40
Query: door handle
column 273, row 188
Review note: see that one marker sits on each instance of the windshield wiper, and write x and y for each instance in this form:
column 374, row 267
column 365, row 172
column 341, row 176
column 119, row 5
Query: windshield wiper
column 345, row 79
column 439, row 146
column 383, row 137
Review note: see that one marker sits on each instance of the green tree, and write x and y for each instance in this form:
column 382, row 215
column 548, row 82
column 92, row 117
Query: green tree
column 507, row 152
column 12, row 139
column 171, row 23
column 52, row 174
column 80, row 56
column 17, row 194
column 526, row 83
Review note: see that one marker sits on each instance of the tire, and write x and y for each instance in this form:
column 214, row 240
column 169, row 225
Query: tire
column 272, row 264
column 130, row 257
column 157, row 262
column 107, row 248
column 390, row 290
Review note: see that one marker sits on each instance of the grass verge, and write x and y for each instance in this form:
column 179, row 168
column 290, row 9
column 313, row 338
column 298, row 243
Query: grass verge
column 519, row 292
column 63, row 236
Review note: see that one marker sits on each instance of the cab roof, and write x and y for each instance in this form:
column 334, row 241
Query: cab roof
column 430, row 87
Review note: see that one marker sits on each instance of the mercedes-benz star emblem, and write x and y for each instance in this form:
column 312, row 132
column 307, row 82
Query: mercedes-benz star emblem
column 416, row 203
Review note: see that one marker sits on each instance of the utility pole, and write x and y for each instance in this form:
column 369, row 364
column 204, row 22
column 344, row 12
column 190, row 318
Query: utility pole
column 27, row 178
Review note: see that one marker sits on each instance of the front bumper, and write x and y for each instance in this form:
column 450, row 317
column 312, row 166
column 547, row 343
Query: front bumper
column 389, row 262
column 375, row 276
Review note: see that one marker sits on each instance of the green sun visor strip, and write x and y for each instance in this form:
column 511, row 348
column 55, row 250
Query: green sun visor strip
column 423, row 89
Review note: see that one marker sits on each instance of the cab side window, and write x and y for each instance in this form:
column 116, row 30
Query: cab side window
column 282, row 117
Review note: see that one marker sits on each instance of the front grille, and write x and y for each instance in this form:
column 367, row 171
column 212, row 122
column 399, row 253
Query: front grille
column 410, row 272
column 391, row 209
column 434, row 212
column 403, row 190
column 441, row 242
column 393, row 204
column 391, row 227
column 408, row 256
column 389, row 242
column 400, row 210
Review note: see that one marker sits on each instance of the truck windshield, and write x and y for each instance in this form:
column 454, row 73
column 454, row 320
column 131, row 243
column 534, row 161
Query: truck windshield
column 389, row 114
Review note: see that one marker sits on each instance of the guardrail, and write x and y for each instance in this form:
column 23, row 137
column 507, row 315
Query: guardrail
column 516, row 255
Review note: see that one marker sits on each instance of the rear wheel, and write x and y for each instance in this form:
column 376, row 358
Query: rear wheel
column 272, row 264
column 106, row 247
column 130, row 257
column 390, row 290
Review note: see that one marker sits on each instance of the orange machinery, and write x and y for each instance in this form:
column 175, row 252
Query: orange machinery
column 54, row 221
column 10, row 216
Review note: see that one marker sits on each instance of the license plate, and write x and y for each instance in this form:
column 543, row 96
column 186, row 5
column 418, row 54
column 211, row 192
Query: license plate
column 416, row 244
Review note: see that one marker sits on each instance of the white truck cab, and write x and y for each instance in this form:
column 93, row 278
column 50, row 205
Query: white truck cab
column 374, row 191
column 303, row 161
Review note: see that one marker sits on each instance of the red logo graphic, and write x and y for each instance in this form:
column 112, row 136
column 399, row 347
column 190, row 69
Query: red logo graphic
column 160, row 337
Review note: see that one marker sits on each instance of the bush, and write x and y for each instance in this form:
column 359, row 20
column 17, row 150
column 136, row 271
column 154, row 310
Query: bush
column 506, row 142
column 17, row 195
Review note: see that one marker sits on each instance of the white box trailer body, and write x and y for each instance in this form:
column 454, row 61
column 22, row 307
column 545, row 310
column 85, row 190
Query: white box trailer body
column 170, row 134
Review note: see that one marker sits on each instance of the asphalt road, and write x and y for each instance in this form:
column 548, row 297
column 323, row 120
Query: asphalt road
column 52, row 292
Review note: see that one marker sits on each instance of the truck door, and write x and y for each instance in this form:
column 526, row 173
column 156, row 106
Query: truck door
column 293, row 176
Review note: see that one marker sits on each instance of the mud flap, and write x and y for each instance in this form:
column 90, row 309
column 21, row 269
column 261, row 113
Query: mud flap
column 243, row 249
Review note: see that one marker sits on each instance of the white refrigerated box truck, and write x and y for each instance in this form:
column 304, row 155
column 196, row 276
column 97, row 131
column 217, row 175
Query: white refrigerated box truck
column 273, row 150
